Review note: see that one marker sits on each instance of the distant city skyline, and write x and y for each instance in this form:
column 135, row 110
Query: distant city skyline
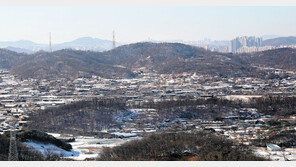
column 134, row 24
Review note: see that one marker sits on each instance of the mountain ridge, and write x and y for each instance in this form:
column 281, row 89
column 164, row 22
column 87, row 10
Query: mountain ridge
column 82, row 43
column 291, row 40
column 162, row 58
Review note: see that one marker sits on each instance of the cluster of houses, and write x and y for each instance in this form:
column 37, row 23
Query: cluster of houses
column 20, row 97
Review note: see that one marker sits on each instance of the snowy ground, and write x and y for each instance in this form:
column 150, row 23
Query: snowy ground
column 8, row 81
column 288, row 154
column 244, row 98
column 50, row 148
column 83, row 147
column 129, row 114
column 90, row 147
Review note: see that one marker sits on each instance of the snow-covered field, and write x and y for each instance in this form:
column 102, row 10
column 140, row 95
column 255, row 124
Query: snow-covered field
column 83, row 147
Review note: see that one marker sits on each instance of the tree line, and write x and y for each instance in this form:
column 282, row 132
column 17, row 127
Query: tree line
column 179, row 146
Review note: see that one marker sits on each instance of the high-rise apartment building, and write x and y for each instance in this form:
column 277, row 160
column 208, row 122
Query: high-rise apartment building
column 244, row 42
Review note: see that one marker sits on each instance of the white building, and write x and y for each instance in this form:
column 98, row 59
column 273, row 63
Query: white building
column 273, row 147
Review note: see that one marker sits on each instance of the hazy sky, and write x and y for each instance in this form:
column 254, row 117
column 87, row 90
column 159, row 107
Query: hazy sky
column 133, row 24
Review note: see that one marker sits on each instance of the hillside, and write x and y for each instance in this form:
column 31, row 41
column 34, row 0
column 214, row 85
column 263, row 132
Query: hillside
column 178, row 58
column 81, row 117
column 24, row 152
column 38, row 136
column 179, row 147
column 19, row 50
column 86, row 43
column 27, row 153
column 164, row 58
column 66, row 63
column 9, row 58
column 284, row 58
column 280, row 41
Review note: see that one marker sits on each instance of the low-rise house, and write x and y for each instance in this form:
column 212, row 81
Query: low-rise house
column 273, row 147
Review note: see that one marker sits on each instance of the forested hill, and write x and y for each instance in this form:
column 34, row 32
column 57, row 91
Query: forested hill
column 8, row 59
column 67, row 63
column 178, row 58
column 158, row 57
column 284, row 58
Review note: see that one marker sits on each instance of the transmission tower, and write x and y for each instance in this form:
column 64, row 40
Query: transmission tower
column 50, row 49
column 13, row 154
column 113, row 41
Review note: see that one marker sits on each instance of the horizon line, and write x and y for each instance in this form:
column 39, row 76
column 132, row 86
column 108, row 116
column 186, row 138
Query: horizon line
column 145, row 40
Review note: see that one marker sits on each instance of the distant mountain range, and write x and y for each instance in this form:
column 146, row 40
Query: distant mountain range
column 266, row 37
column 280, row 41
column 162, row 58
column 95, row 44
column 84, row 43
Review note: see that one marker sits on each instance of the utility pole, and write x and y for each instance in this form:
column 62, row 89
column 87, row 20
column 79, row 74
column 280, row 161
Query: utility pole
column 284, row 155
